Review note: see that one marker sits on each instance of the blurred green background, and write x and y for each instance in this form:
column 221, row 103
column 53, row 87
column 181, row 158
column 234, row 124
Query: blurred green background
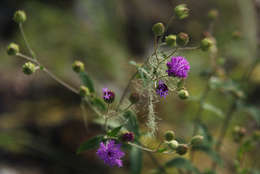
column 41, row 123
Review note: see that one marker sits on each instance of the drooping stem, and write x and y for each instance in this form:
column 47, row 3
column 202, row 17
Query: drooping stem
column 26, row 41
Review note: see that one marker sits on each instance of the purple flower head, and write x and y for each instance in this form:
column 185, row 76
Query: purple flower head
column 178, row 67
column 128, row 136
column 111, row 153
column 162, row 89
column 108, row 95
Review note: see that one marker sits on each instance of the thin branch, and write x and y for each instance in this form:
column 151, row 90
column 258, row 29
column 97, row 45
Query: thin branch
column 26, row 41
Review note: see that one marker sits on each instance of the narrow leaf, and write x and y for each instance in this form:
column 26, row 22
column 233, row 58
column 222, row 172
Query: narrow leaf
column 90, row 144
column 213, row 109
column 136, row 160
column 86, row 80
column 132, row 124
column 114, row 131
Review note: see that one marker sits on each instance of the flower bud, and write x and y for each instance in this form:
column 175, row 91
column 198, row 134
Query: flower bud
column 181, row 11
column 78, row 66
column 197, row 140
column 171, row 40
column 206, row 44
column 158, row 29
column 173, row 144
column 108, row 95
column 12, row 49
column 183, row 94
column 213, row 14
column 134, row 98
column 127, row 137
column 238, row 133
column 84, row 91
column 182, row 39
column 182, row 149
column 29, row 68
column 19, row 16
column 169, row 135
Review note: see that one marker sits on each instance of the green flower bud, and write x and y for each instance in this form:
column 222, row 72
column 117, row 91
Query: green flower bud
column 171, row 40
column 78, row 66
column 84, row 91
column 213, row 14
column 182, row 39
column 173, row 144
column 238, row 133
column 29, row 68
column 134, row 98
column 19, row 16
column 181, row 11
column 197, row 140
column 158, row 29
column 206, row 44
column 182, row 149
column 183, row 94
column 169, row 135
column 12, row 49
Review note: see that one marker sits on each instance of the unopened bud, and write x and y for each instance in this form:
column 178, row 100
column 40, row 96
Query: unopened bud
column 127, row 137
column 183, row 94
column 29, row 68
column 158, row 29
column 12, row 49
column 182, row 39
column 19, row 16
column 78, row 66
column 206, row 44
column 197, row 140
column 134, row 98
column 169, row 135
column 173, row 144
column 182, row 149
column 181, row 11
column 84, row 91
column 171, row 40
column 213, row 14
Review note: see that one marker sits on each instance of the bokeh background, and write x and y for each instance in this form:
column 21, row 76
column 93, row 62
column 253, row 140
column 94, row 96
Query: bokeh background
column 41, row 123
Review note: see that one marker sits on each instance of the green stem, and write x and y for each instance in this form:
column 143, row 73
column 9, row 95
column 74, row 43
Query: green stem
column 26, row 41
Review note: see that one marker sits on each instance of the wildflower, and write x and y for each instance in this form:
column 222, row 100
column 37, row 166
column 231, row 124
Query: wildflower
column 108, row 95
column 128, row 136
column 178, row 67
column 162, row 89
column 111, row 153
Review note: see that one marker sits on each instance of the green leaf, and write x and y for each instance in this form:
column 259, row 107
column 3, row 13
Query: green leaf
column 213, row 109
column 132, row 124
column 182, row 163
column 114, row 131
column 136, row 160
column 86, row 80
column 90, row 144
column 254, row 112
column 100, row 104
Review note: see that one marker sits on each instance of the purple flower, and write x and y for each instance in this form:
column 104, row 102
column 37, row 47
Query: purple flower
column 162, row 89
column 178, row 67
column 128, row 136
column 111, row 153
column 108, row 95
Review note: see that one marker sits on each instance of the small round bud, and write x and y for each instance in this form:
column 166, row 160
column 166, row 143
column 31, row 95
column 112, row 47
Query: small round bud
column 236, row 35
column 238, row 133
column 134, row 98
column 12, row 49
column 171, row 40
column 127, row 137
column 206, row 44
column 158, row 29
column 84, row 91
column 213, row 14
column 182, row 39
column 183, row 94
column 181, row 11
column 29, row 68
column 78, row 66
column 182, row 149
column 173, row 144
column 19, row 16
column 169, row 135
column 197, row 140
